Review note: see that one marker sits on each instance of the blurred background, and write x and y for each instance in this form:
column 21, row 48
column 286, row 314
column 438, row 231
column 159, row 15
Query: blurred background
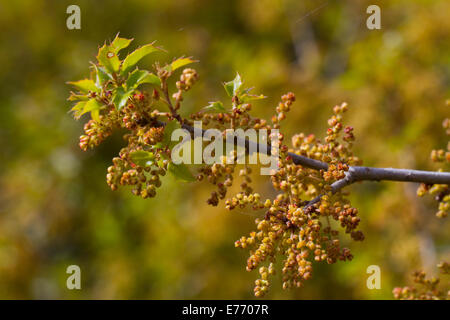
column 56, row 208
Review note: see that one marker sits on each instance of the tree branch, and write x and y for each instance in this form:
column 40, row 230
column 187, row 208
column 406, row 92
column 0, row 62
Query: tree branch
column 354, row 174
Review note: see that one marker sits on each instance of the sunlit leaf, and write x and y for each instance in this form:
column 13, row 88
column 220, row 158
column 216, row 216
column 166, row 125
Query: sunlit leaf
column 237, row 83
column 84, row 85
column 78, row 109
column 229, row 88
column 92, row 106
column 101, row 76
column 178, row 63
column 107, row 57
column 138, row 77
column 142, row 158
column 152, row 79
column 250, row 97
column 75, row 97
column 95, row 114
column 82, row 107
column 232, row 87
column 181, row 172
column 215, row 106
column 133, row 58
column 120, row 97
column 120, row 43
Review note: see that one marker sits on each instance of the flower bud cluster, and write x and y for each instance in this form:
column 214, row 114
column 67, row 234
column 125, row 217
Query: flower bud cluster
column 187, row 79
column 97, row 131
column 441, row 192
column 221, row 176
column 426, row 288
column 303, row 234
column 283, row 107
column 144, row 180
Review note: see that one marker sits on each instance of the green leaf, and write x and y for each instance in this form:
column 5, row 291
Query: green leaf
column 92, row 106
column 78, row 109
column 133, row 58
column 138, row 77
column 215, row 106
column 181, row 171
column 107, row 57
column 120, row 43
column 168, row 129
column 76, row 97
column 178, row 63
column 142, row 158
column 232, row 87
column 82, row 107
column 84, row 85
column 120, row 97
column 152, row 79
column 229, row 88
column 250, row 97
column 95, row 114
column 101, row 76
column 237, row 83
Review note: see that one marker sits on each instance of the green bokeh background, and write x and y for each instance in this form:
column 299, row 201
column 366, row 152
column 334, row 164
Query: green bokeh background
column 56, row 208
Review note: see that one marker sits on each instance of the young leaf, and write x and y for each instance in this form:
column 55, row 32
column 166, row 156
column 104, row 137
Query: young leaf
column 237, row 83
column 107, row 57
column 250, row 97
column 78, row 109
column 84, row 85
column 232, row 87
column 138, row 77
column 120, row 97
column 101, row 76
column 95, row 114
column 178, row 63
column 168, row 129
column 92, row 106
column 181, row 171
column 133, row 58
column 82, row 107
column 215, row 106
column 120, row 43
column 152, row 79
column 75, row 97
column 229, row 88
column 142, row 158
